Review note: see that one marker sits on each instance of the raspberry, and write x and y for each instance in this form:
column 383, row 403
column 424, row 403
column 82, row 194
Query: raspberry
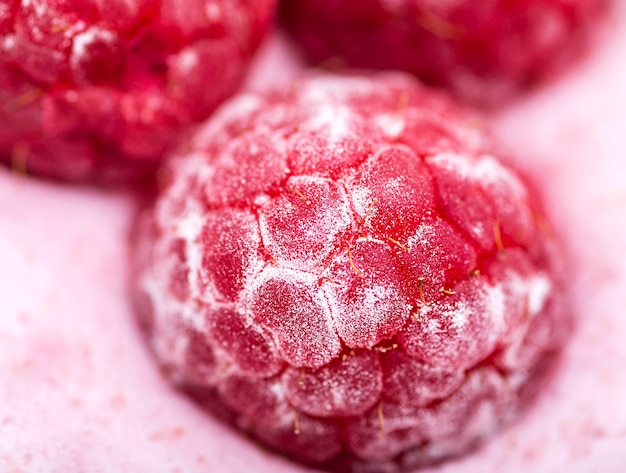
column 98, row 90
column 345, row 270
column 483, row 51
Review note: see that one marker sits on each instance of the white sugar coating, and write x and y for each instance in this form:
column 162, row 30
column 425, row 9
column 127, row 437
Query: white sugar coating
column 332, row 119
column 187, row 226
column 538, row 293
column 433, row 326
column 505, row 191
column 292, row 305
column 230, row 243
column 495, row 303
column 348, row 386
column 526, row 290
column 322, row 89
column 170, row 315
column 362, row 199
column 189, row 229
column 187, row 60
column 487, row 300
column 91, row 35
column 534, row 290
column 492, row 302
column 179, row 214
column 484, row 169
column 373, row 296
column 493, row 198
column 439, row 255
column 424, row 240
column 467, row 326
column 277, row 389
column 392, row 124
column 424, row 237
column 153, row 283
column 459, row 330
column 458, row 316
column 392, row 191
column 171, row 342
column 40, row 7
column 245, row 167
column 393, row 185
column 366, row 299
column 301, row 227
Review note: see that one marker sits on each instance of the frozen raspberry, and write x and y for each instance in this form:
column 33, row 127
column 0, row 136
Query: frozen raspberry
column 97, row 90
column 347, row 272
column 481, row 50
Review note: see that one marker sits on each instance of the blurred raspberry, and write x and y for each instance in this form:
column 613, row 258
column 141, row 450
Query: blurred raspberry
column 350, row 270
column 481, row 50
column 98, row 90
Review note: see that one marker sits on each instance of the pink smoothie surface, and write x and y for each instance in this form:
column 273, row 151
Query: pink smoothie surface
column 80, row 392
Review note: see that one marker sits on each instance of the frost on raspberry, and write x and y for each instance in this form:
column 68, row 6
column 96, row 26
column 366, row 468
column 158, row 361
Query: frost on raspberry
column 98, row 90
column 482, row 51
column 350, row 272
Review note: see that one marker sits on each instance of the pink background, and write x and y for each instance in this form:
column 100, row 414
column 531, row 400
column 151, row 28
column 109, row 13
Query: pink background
column 79, row 392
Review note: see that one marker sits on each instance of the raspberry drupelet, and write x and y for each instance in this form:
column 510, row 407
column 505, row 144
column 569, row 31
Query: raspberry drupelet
column 483, row 51
column 95, row 90
column 346, row 271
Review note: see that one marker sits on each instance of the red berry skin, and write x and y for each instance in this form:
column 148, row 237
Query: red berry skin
column 350, row 272
column 482, row 51
column 99, row 90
